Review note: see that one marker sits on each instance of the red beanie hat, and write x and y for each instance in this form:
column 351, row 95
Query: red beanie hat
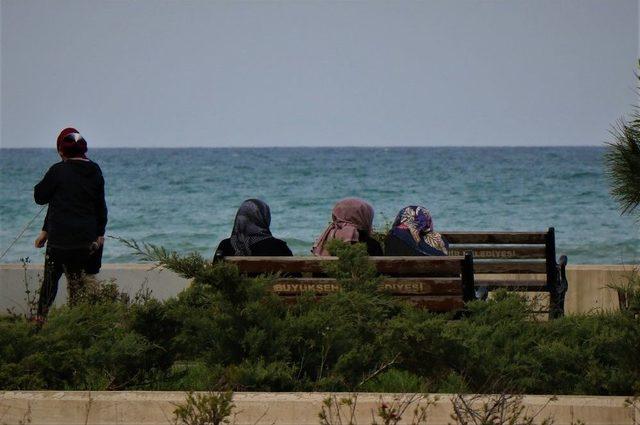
column 71, row 144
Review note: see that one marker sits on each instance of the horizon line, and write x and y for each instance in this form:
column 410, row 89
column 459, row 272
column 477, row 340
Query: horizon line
column 603, row 144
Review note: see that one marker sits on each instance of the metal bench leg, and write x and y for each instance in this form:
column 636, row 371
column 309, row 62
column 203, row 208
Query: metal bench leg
column 558, row 290
column 482, row 293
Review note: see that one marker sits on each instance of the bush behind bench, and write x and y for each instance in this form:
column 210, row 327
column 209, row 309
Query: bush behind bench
column 227, row 331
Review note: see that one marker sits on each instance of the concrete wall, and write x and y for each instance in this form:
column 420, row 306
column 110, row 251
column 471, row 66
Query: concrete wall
column 131, row 278
column 151, row 408
column 588, row 290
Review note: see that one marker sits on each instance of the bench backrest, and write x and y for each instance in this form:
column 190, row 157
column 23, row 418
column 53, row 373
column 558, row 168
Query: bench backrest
column 510, row 253
column 436, row 283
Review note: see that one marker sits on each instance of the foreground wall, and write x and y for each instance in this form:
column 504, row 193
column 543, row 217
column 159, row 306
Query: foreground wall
column 588, row 290
column 147, row 408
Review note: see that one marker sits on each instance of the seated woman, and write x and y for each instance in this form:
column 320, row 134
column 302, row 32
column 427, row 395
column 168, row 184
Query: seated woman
column 352, row 222
column 251, row 234
column 412, row 234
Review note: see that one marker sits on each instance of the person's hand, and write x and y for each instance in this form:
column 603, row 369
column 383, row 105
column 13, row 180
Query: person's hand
column 96, row 245
column 41, row 239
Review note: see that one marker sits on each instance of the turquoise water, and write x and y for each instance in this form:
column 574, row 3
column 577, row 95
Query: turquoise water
column 185, row 199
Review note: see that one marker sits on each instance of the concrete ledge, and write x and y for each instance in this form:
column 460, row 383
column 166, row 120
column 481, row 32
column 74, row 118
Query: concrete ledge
column 151, row 408
column 587, row 293
column 14, row 278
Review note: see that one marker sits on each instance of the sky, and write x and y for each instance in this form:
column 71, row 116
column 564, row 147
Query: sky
column 154, row 73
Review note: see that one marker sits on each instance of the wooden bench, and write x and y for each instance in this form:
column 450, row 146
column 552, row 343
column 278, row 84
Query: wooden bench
column 513, row 254
column 437, row 283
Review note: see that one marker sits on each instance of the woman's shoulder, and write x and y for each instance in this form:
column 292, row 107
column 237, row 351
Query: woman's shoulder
column 394, row 244
column 225, row 248
column 271, row 246
column 57, row 166
column 374, row 248
column 95, row 164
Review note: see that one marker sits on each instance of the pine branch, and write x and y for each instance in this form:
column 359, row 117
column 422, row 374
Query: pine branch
column 623, row 161
column 188, row 266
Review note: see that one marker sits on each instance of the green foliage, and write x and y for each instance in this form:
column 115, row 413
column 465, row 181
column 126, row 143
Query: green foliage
column 353, row 269
column 188, row 267
column 205, row 409
column 411, row 409
column 338, row 411
column 261, row 376
column 380, row 234
column 495, row 409
column 623, row 161
column 629, row 292
column 87, row 346
column 226, row 331
column 393, row 411
column 335, row 339
column 396, row 380
column 188, row 376
column 91, row 291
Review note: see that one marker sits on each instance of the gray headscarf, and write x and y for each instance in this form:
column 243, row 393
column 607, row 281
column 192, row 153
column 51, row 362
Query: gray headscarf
column 250, row 226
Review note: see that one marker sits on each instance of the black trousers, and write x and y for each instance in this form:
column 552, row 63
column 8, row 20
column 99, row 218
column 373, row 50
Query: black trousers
column 73, row 263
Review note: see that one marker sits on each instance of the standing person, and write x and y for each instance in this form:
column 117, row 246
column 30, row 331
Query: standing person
column 351, row 222
column 412, row 234
column 76, row 218
column 251, row 234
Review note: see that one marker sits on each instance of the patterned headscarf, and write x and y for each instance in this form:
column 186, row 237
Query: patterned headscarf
column 250, row 226
column 418, row 221
column 348, row 217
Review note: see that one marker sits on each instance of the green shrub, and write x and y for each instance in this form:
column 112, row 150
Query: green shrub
column 261, row 376
column 226, row 331
column 353, row 269
column 629, row 292
column 622, row 160
column 205, row 409
column 395, row 380
column 88, row 346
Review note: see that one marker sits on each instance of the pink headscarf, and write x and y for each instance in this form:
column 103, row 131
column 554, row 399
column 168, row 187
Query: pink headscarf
column 348, row 216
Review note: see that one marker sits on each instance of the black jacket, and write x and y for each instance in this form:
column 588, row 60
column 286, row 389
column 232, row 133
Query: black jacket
column 395, row 246
column 270, row 247
column 374, row 248
column 77, row 213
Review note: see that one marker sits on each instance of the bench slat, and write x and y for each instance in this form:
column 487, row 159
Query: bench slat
column 505, row 267
column 520, row 252
column 495, row 237
column 514, row 285
column 419, row 266
column 440, row 304
column 421, row 286
column 394, row 286
column 393, row 266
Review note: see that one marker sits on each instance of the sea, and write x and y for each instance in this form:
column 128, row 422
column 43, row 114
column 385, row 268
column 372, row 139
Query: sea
column 185, row 199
